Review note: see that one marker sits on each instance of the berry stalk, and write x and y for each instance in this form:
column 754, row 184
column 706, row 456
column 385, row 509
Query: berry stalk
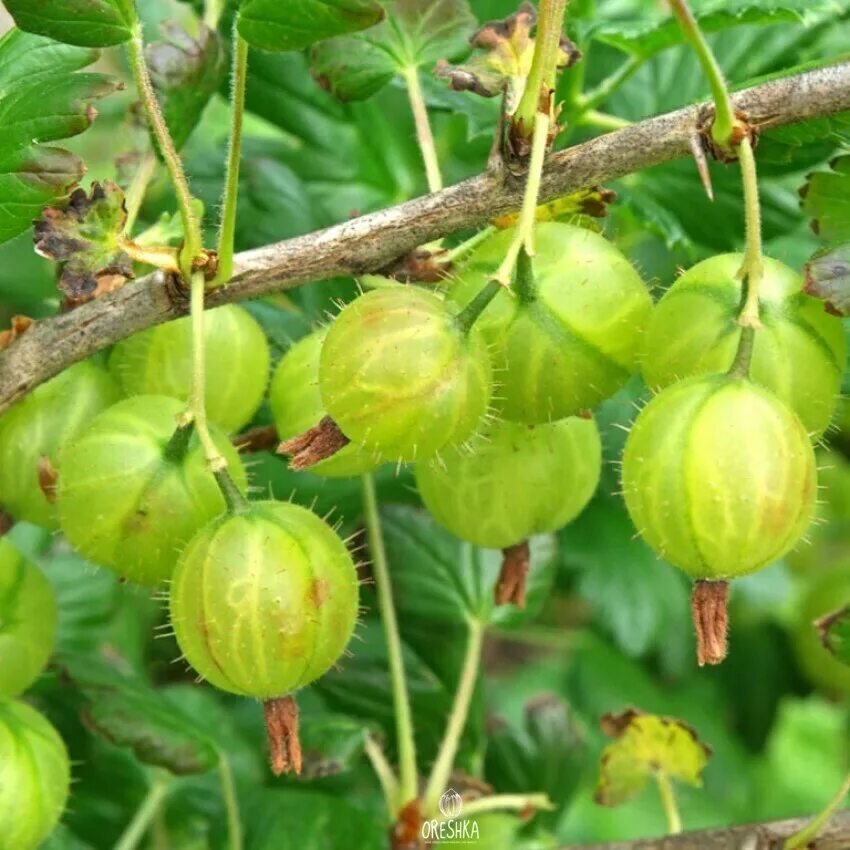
column 197, row 412
column 408, row 780
column 227, row 227
column 668, row 801
column 752, row 270
column 193, row 242
column 440, row 773
column 725, row 123
column 424, row 135
column 231, row 803
column 806, row 836
column 142, row 819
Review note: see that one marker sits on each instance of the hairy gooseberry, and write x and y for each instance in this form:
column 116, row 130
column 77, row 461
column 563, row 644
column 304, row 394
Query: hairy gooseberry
column 568, row 337
column 515, row 481
column 133, row 489
column 264, row 600
column 400, row 376
column 798, row 354
column 296, row 405
column 33, row 431
column 158, row 361
column 719, row 478
column 27, row 621
column 34, row 776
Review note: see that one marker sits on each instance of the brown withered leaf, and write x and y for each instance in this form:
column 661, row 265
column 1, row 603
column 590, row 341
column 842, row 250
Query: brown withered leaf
column 828, row 278
column 18, row 326
column 502, row 66
column 87, row 236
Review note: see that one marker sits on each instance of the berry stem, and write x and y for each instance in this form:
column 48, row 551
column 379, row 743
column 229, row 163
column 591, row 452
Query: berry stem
column 227, row 227
column 442, row 769
column 725, row 122
column 192, row 240
column 423, row 128
column 197, row 404
column 668, row 801
column 744, row 355
column 178, row 445
column 231, row 803
column 807, row 835
column 469, row 315
column 159, row 256
column 541, row 77
column 213, row 10
column 467, row 247
column 524, row 234
column 388, row 780
column 233, row 498
column 752, row 269
column 142, row 819
column 508, row 803
column 135, row 193
column 408, row 780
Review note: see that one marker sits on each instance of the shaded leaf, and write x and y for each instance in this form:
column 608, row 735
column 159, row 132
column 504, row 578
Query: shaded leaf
column 834, row 630
column 88, row 23
column 128, row 712
column 546, row 755
column 826, row 198
column 439, row 579
column 828, row 278
column 296, row 24
column 331, row 744
column 645, row 746
column 297, row 819
column 650, row 34
column 186, row 72
column 87, row 236
column 41, row 100
column 415, row 34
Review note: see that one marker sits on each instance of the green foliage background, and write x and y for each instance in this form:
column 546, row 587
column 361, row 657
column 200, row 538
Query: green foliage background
column 611, row 625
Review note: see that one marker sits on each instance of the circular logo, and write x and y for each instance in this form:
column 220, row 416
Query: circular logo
column 451, row 804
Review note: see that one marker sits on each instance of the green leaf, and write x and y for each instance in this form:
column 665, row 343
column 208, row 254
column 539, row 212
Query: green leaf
column 826, row 198
column 546, row 755
column 646, row 746
column 296, row 24
column 186, row 73
column 439, row 579
column 310, row 820
column 88, row 23
column 125, row 710
column 331, row 745
column 41, row 100
column 834, row 630
column 828, row 278
column 650, row 34
column 87, row 236
column 415, row 34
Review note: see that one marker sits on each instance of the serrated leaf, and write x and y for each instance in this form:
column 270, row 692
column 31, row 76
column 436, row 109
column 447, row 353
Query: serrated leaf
column 646, row 746
column 828, row 278
column 88, row 23
column 297, row 24
column 650, row 34
column 834, row 630
column 826, row 198
column 87, row 236
column 186, row 73
column 125, row 710
column 415, row 34
column 437, row 578
column 41, row 100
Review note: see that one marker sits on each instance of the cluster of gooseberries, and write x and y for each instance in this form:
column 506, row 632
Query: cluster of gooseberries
column 488, row 393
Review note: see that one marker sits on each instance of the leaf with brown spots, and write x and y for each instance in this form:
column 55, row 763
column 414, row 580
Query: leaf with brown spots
column 828, row 278
column 87, row 236
column 41, row 100
column 647, row 746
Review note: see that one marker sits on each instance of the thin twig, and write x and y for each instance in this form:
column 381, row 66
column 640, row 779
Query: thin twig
column 366, row 244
